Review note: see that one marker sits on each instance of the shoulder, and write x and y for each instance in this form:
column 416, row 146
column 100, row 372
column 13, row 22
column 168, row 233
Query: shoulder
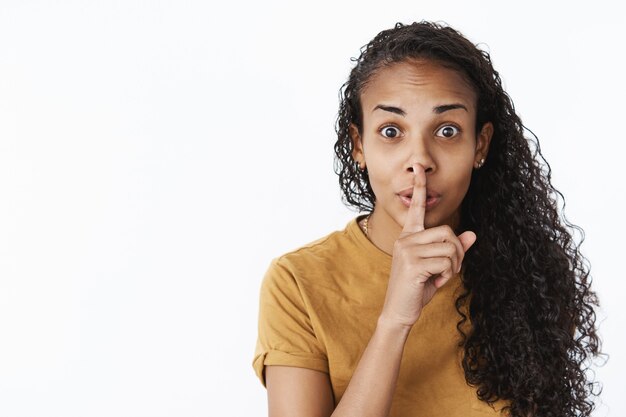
column 299, row 275
column 327, row 250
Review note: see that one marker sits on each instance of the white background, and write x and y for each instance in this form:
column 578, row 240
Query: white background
column 155, row 155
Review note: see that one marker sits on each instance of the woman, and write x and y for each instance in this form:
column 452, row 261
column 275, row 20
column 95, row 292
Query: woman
column 462, row 292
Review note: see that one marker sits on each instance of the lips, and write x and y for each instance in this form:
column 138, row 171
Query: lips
column 432, row 197
column 408, row 193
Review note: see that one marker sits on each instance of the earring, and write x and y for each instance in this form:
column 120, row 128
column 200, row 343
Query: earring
column 480, row 164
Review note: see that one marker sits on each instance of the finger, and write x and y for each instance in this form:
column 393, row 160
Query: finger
column 414, row 221
column 440, row 281
column 436, row 269
column 441, row 233
column 467, row 239
column 436, row 250
column 449, row 236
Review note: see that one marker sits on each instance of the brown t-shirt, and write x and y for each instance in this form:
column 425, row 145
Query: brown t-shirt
column 318, row 310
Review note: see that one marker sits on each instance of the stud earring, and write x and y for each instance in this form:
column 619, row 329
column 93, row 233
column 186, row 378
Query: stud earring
column 480, row 164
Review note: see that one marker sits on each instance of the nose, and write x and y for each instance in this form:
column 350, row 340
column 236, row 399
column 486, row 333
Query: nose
column 420, row 153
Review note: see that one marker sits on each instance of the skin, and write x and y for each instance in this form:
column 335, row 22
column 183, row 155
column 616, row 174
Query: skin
column 417, row 88
column 425, row 250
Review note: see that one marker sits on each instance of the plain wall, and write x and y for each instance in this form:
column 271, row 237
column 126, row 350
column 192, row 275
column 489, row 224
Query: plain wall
column 155, row 156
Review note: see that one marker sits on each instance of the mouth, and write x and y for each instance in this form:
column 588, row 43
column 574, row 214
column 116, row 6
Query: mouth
column 432, row 198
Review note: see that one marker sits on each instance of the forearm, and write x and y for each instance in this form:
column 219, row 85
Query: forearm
column 373, row 383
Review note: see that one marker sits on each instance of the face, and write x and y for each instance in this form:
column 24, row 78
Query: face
column 419, row 112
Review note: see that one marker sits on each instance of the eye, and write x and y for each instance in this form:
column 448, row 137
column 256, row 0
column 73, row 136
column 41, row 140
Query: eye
column 448, row 131
column 390, row 132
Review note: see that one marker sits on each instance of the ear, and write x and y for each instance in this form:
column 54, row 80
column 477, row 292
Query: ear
column 482, row 142
column 357, row 145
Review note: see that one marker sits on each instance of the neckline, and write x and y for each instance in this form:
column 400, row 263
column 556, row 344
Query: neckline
column 370, row 250
column 379, row 257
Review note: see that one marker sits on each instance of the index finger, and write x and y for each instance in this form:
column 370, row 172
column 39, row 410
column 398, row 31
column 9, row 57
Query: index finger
column 417, row 209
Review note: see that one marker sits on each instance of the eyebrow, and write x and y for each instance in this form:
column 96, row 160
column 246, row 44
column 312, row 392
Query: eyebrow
column 437, row 110
column 446, row 107
column 392, row 109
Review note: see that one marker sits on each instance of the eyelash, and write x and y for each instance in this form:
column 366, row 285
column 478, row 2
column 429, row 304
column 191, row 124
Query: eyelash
column 382, row 129
column 457, row 128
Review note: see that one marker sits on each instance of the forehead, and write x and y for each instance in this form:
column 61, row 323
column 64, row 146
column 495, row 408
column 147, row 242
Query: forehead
column 417, row 82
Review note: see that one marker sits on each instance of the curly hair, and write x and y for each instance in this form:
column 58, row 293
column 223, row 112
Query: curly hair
column 527, row 292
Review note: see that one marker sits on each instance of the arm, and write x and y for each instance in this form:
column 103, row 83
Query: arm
column 298, row 392
column 307, row 393
column 374, row 381
column 423, row 261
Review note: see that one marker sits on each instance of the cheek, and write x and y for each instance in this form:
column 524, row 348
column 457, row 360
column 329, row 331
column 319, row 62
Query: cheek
column 462, row 180
column 459, row 173
column 381, row 175
column 381, row 164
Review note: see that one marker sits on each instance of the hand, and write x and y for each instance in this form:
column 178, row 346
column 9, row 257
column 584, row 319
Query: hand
column 423, row 260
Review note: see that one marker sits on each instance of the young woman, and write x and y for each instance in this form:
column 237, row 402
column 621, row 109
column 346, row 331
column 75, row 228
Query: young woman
column 461, row 292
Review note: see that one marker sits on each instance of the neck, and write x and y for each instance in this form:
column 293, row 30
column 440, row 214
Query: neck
column 383, row 230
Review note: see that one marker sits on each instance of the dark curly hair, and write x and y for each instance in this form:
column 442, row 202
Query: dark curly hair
column 527, row 292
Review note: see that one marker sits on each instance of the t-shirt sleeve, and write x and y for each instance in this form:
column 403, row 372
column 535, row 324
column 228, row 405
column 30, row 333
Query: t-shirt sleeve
column 286, row 336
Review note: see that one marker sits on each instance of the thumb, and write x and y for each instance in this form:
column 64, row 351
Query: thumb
column 467, row 239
